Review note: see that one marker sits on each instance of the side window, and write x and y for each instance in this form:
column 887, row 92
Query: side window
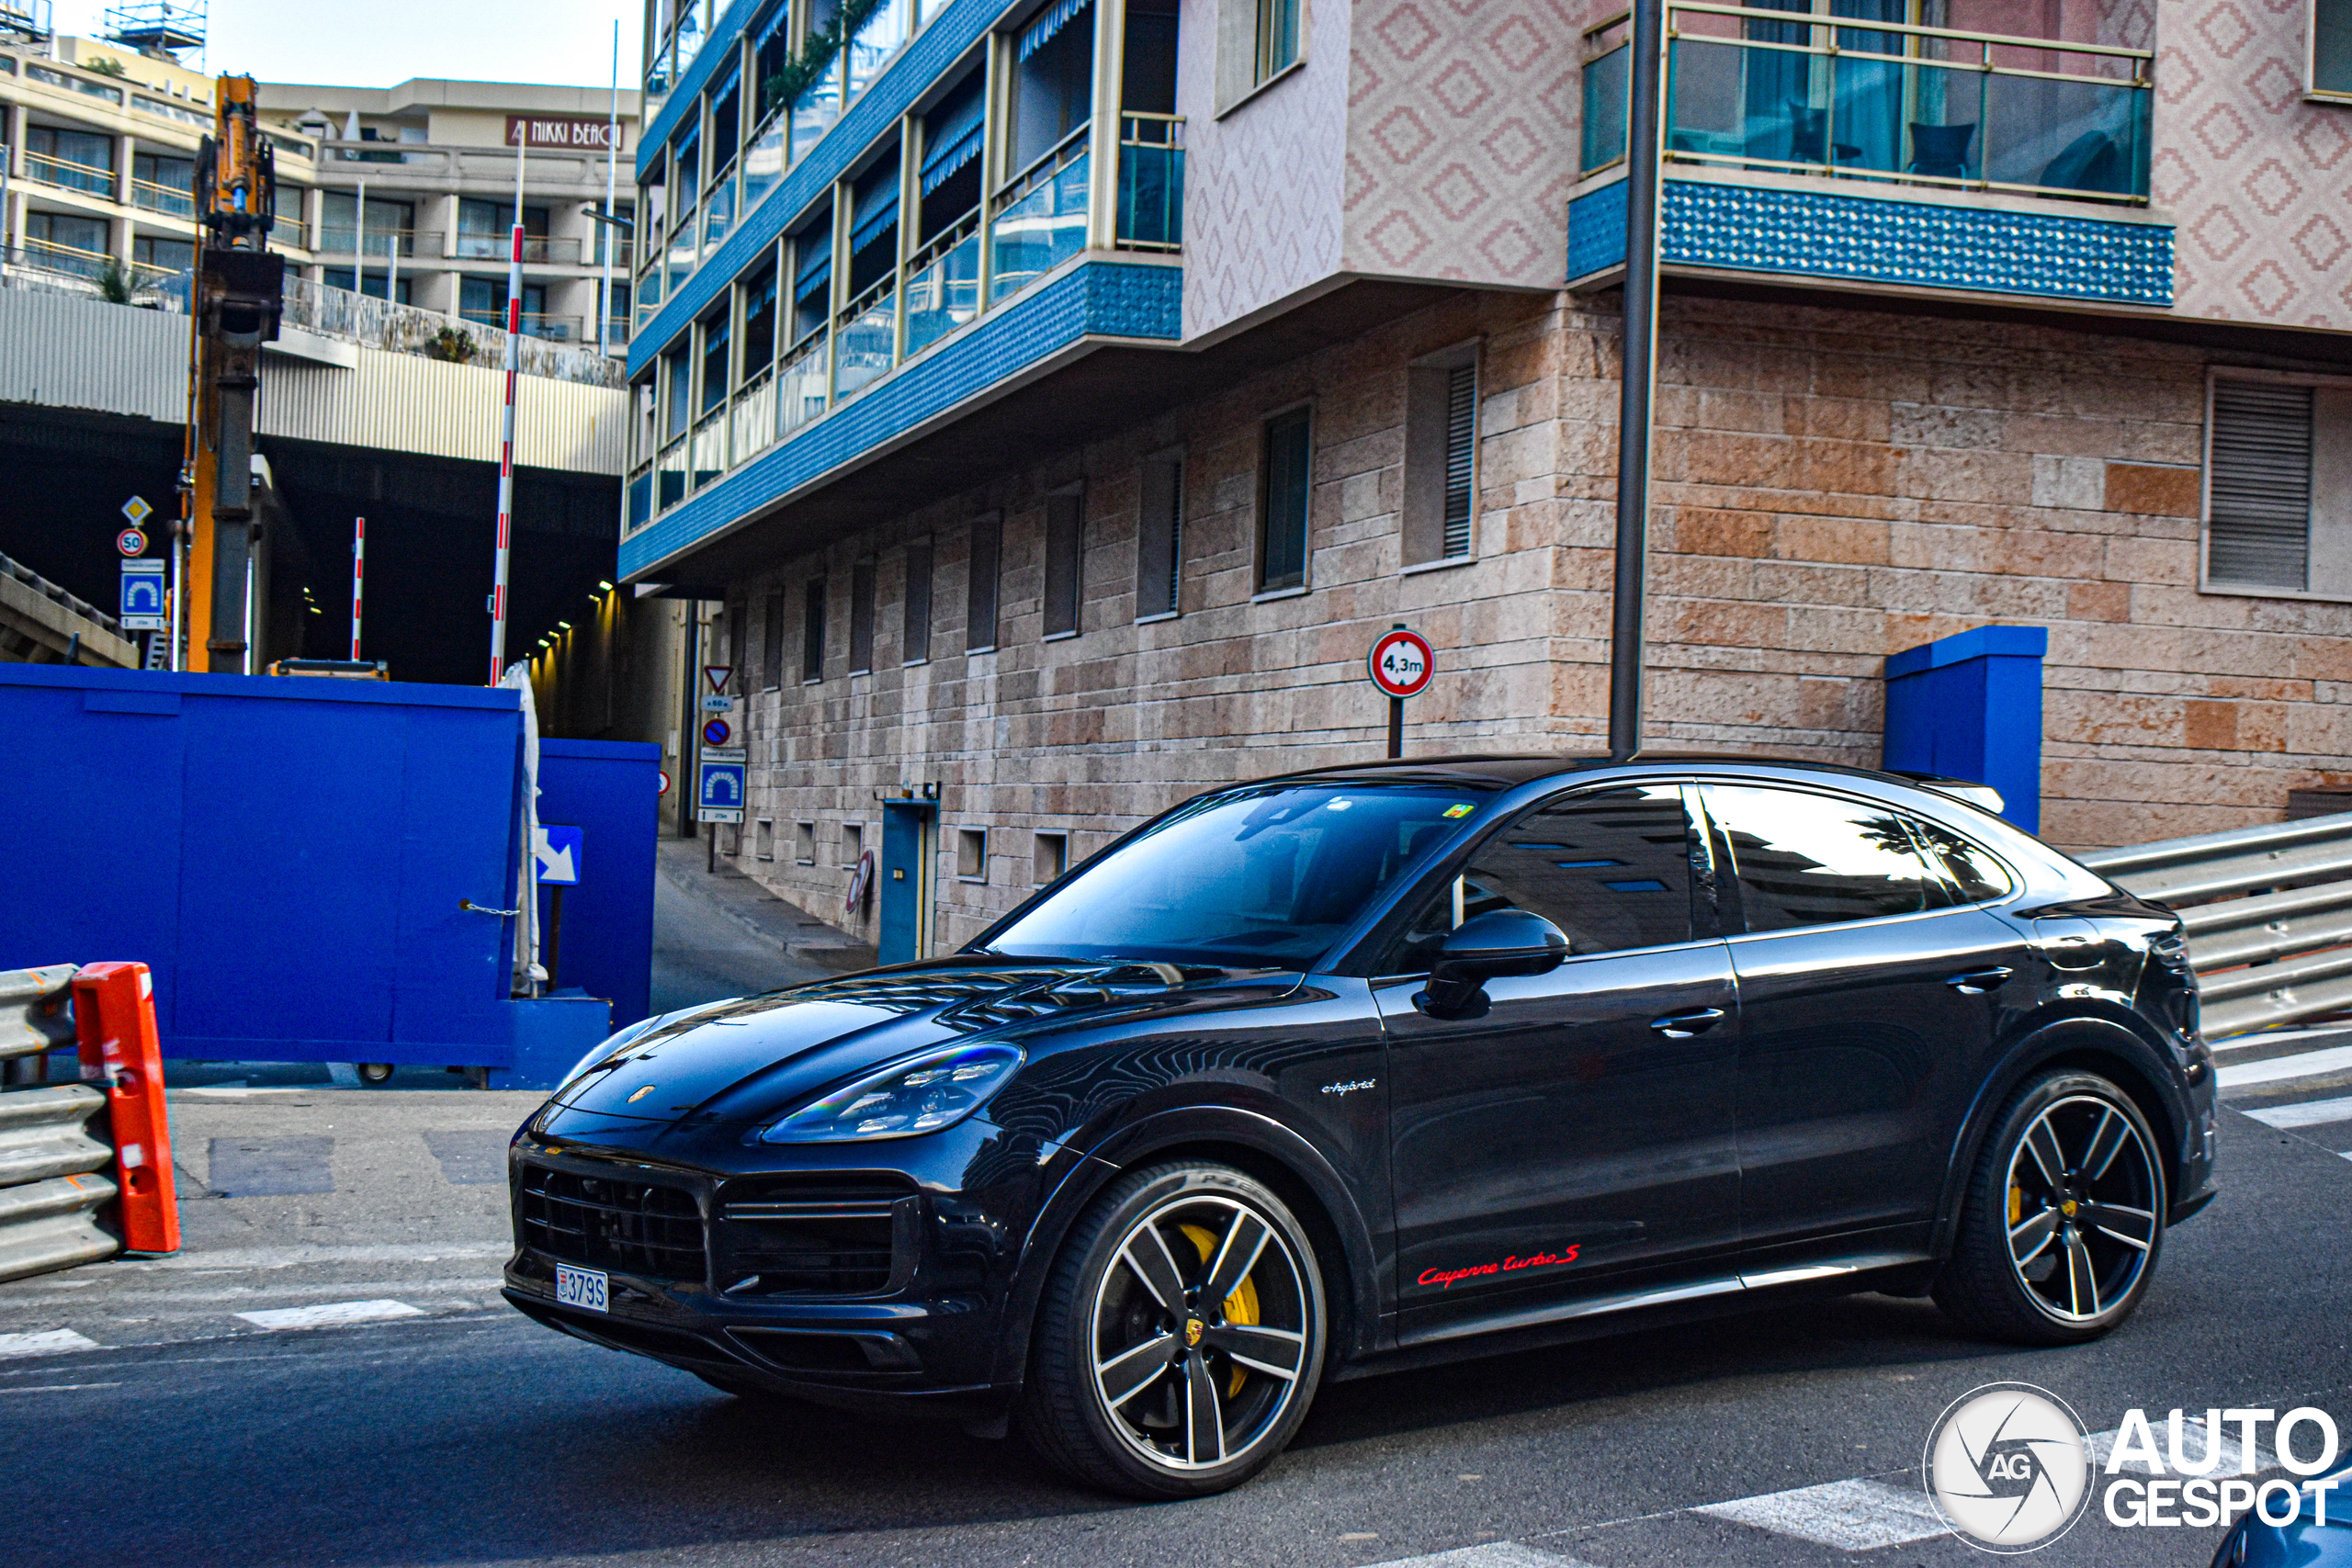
column 1972, row 872
column 1611, row 870
column 1812, row 859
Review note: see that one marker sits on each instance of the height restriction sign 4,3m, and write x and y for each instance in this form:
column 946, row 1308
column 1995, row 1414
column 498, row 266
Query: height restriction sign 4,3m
column 1401, row 663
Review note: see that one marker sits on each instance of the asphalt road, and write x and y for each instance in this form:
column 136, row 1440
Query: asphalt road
column 468, row 1435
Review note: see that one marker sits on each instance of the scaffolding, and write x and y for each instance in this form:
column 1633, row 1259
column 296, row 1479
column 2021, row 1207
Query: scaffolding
column 161, row 27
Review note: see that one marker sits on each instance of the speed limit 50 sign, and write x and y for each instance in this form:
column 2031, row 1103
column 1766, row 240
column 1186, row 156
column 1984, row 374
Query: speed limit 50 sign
column 1401, row 663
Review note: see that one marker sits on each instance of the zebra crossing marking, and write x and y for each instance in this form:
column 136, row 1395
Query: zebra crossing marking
column 2309, row 1113
column 1851, row 1516
column 2309, row 1063
column 49, row 1342
column 329, row 1314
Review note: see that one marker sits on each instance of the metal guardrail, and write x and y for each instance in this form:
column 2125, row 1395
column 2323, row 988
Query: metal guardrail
column 2269, row 912
column 53, row 1161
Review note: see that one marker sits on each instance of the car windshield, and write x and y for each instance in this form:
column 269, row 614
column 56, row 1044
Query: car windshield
column 1263, row 878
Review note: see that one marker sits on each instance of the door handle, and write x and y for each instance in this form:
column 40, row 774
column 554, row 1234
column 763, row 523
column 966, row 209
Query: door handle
column 1689, row 1022
column 1976, row 982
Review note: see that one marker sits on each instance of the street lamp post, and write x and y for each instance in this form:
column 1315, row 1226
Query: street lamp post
column 1637, row 383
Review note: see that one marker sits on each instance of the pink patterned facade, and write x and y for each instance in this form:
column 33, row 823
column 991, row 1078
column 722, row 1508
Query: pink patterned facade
column 2258, row 177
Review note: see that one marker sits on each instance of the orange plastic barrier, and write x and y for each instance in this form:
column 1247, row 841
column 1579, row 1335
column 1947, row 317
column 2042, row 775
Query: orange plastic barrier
column 114, row 1023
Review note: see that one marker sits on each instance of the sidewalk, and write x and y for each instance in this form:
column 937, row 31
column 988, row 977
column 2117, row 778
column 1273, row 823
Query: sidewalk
column 723, row 935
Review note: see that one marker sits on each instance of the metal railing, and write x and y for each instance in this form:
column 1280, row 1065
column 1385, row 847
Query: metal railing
column 67, row 174
column 2269, row 912
column 868, row 333
column 944, row 283
column 52, row 1170
column 1151, row 182
column 1848, row 99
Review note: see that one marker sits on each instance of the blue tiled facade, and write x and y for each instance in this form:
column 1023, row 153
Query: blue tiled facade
column 1103, row 300
column 916, row 69
column 1879, row 240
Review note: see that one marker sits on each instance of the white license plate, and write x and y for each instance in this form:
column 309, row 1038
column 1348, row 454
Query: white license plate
column 581, row 1287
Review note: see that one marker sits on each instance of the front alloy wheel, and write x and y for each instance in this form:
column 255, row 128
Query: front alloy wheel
column 2063, row 1219
column 1181, row 1337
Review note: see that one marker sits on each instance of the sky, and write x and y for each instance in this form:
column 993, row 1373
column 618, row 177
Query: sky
column 568, row 42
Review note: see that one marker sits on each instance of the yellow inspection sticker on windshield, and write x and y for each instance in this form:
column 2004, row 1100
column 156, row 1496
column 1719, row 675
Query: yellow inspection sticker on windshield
column 1457, row 810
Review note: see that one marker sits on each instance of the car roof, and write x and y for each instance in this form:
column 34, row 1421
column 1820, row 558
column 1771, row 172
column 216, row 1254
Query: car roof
column 1509, row 770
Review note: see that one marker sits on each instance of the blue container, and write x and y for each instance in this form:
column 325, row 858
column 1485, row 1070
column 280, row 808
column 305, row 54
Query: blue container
column 287, row 855
column 1969, row 707
column 611, row 791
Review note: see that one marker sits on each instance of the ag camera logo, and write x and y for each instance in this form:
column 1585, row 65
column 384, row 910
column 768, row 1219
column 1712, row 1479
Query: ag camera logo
column 2008, row 1467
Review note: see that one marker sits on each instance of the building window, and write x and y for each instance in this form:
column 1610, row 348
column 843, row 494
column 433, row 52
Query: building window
column 1282, row 502
column 979, row 591
column 1159, row 536
column 915, row 644
column 1052, row 857
column 763, row 840
column 179, row 256
column 853, row 841
column 861, row 617
column 2332, row 47
column 369, row 282
column 2279, row 487
column 739, row 645
column 1277, row 36
column 971, row 854
column 715, row 358
column 812, row 632
column 679, row 370
column 1441, row 456
column 1065, row 562
column 771, row 644
column 804, row 843
column 758, row 325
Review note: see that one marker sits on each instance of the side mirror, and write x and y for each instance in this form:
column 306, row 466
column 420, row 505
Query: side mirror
column 1490, row 946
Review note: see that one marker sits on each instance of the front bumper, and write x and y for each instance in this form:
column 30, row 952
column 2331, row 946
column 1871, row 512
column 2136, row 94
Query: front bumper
column 877, row 1287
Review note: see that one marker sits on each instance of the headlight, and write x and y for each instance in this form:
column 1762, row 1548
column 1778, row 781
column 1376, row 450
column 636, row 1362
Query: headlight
column 918, row 1096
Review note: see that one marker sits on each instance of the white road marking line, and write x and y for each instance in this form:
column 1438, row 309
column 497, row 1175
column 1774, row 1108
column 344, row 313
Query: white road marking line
column 1852, row 1516
column 59, row 1387
column 140, row 1300
column 288, row 1256
column 50, row 1342
column 2311, row 1064
column 2276, row 1037
column 331, row 1313
column 1493, row 1554
column 2310, row 1113
column 239, row 1091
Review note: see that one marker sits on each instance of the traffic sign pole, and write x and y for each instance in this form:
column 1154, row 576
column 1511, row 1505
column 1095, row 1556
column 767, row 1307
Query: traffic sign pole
column 1400, row 664
column 359, row 569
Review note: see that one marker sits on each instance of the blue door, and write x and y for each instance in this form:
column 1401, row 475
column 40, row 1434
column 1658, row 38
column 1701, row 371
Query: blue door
column 905, row 876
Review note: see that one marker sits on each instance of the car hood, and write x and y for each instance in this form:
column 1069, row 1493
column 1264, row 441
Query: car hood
column 750, row 1057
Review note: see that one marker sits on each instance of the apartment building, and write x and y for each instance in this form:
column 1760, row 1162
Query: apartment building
column 101, row 159
column 1061, row 395
column 425, row 172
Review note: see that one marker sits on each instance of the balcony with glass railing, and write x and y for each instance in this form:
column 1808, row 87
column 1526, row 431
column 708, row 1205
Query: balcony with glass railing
column 343, row 240
column 65, row 174
column 1833, row 112
column 171, row 201
column 535, row 324
column 475, row 245
column 1040, row 218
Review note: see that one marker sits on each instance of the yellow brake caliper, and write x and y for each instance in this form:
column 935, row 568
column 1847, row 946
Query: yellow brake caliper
column 2017, row 1203
column 1240, row 1307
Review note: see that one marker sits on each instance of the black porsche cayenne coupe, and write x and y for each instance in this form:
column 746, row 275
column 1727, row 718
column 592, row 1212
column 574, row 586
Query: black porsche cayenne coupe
column 1372, row 1066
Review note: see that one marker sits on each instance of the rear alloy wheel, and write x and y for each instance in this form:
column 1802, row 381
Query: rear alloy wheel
column 2063, row 1218
column 1181, row 1337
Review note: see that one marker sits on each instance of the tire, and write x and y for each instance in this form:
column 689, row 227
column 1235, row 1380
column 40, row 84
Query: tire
column 1133, row 1394
column 2062, row 1221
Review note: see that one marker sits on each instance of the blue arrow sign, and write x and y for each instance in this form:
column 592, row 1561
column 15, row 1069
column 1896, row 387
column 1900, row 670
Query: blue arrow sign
column 558, row 851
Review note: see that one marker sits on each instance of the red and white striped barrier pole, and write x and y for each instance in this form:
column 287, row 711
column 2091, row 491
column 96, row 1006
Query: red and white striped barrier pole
column 507, row 433
column 358, row 572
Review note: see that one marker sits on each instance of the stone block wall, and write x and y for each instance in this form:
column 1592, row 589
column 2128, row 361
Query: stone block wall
column 1832, row 487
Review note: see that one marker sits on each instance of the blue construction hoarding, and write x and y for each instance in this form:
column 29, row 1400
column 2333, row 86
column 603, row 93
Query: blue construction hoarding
column 609, row 793
column 1969, row 707
column 289, row 856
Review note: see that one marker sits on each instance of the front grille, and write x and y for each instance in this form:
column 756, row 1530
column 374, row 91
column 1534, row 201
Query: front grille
column 627, row 1227
column 786, row 1238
